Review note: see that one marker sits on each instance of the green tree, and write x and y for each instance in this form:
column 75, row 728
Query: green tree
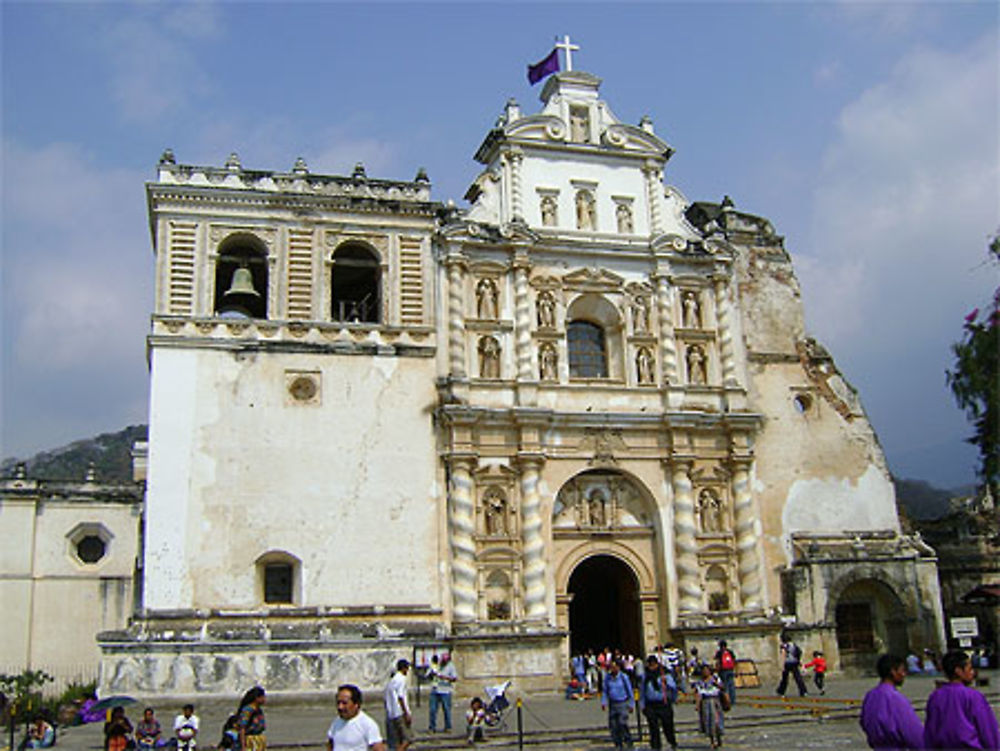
column 975, row 381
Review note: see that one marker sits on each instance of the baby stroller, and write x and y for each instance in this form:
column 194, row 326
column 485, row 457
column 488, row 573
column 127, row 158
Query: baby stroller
column 497, row 706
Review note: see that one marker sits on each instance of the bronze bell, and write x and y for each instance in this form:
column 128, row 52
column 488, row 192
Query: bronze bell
column 242, row 283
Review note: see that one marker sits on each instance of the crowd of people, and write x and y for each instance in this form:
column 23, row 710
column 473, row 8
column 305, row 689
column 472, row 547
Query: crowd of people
column 957, row 715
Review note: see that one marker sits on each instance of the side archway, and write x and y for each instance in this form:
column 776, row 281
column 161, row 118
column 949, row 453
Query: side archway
column 870, row 619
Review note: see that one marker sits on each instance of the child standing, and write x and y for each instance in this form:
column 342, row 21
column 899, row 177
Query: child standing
column 818, row 664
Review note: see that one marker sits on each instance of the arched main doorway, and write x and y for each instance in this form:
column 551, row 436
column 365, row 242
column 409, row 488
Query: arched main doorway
column 604, row 610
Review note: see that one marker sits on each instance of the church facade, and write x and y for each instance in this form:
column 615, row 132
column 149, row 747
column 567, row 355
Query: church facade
column 583, row 412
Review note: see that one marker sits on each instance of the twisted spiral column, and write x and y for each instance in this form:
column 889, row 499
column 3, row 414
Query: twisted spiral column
column 456, row 321
column 725, row 330
column 514, row 159
column 748, row 561
column 533, row 545
column 461, row 522
column 522, row 320
column 654, row 190
column 668, row 349
column 686, row 550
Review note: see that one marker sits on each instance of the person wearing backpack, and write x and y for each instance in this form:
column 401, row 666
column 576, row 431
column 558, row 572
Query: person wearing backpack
column 791, row 654
column 725, row 663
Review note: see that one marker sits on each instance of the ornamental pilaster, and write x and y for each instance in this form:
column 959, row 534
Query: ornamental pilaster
column 668, row 347
column 456, row 266
column 532, row 542
column 747, row 540
column 461, row 528
column 725, row 329
column 689, row 595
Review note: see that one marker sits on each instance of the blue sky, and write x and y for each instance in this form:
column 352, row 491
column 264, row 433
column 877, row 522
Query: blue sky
column 867, row 132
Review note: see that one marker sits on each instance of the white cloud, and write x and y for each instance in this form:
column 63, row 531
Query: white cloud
column 907, row 193
column 154, row 69
column 77, row 292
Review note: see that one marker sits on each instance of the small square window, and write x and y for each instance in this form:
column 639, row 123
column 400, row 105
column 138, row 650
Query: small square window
column 278, row 583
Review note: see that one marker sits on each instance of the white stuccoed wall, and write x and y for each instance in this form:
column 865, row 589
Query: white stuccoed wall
column 237, row 470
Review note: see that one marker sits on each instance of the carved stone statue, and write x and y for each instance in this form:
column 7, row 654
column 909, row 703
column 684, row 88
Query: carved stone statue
column 640, row 314
column 697, row 372
column 549, row 215
column 598, row 517
column 710, row 511
column 486, row 299
column 546, row 311
column 489, row 357
column 624, row 215
column 692, row 310
column 496, row 512
column 579, row 126
column 586, row 212
column 644, row 365
column 548, row 363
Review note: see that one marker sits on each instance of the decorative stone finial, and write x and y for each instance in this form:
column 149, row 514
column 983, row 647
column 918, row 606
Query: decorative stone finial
column 646, row 123
column 421, row 176
column 359, row 172
column 91, row 475
column 233, row 162
column 512, row 111
column 300, row 167
column 167, row 157
column 727, row 203
column 20, row 471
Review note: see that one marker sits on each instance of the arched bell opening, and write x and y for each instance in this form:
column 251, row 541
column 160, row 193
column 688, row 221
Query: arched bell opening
column 241, row 279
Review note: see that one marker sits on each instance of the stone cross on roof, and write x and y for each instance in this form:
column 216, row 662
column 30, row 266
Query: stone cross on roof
column 568, row 48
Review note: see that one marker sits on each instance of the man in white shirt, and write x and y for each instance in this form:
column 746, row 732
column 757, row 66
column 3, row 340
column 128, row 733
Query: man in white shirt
column 397, row 709
column 445, row 676
column 353, row 730
column 186, row 727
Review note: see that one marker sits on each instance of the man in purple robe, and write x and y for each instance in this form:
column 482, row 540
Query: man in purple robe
column 887, row 717
column 959, row 716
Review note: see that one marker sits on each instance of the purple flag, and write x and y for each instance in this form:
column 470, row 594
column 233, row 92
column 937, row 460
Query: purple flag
column 539, row 70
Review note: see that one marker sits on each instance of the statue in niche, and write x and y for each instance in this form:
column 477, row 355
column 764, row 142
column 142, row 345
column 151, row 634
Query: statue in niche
column 548, row 363
column 549, row 216
column 586, row 212
column 624, row 215
column 489, row 357
column 486, row 299
column 496, row 512
column 710, row 511
column 546, row 311
column 692, row 310
column 598, row 510
column 579, row 126
column 644, row 365
column 640, row 314
column 697, row 372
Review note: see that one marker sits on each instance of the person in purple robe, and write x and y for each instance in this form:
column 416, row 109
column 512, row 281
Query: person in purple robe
column 887, row 717
column 959, row 716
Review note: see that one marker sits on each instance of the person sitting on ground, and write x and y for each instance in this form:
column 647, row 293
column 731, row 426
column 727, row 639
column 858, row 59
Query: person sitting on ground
column 148, row 730
column 186, row 728
column 41, row 734
column 887, row 717
column 117, row 731
column 913, row 664
column 475, row 719
column 959, row 716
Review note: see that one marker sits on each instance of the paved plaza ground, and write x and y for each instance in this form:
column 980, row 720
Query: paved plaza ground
column 759, row 720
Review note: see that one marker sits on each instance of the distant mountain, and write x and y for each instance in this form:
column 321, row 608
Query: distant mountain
column 110, row 453
column 921, row 501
